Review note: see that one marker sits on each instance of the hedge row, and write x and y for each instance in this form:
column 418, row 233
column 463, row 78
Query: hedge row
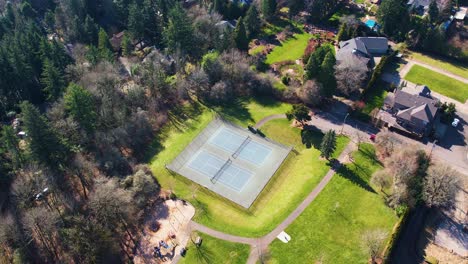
column 394, row 237
column 379, row 70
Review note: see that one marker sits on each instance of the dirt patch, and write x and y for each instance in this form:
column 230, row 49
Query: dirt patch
column 443, row 255
column 168, row 222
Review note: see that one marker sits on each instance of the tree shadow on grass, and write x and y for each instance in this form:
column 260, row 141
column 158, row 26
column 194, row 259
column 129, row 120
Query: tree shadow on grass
column 370, row 155
column 236, row 110
column 311, row 138
column 204, row 254
column 352, row 176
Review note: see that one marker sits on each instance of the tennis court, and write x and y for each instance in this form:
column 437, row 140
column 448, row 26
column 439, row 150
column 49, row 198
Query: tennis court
column 240, row 146
column 230, row 161
column 209, row 165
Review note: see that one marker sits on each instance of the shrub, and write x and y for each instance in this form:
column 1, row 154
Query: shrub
column 394, row 237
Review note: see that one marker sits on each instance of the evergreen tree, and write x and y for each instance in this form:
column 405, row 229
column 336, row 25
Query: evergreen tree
column 152, row 22
column 327, row 74
column 136, row 23
column 90, row 31
column 126, row 45
column 295, row 6
column 343, row 34
column 315, row 61
column 433, row 11
column 44, row 144
column 219, row 6
column 104, row 46
column 394, row 17
column 252, row 22
column 53, row 81
column 11, row 144
column 79, row 103
column 269, row 9
column 179, row 31
column 328, row 145
column 299, row 112
column 240, row 36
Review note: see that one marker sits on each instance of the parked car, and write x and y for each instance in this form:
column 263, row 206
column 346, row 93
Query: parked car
column 455, row 122
column 372, row 137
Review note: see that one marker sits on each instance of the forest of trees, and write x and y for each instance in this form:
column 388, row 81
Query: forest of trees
column 90, row 83
column 88, row 120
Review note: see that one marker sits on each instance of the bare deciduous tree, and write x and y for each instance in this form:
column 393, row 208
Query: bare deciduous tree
column 311, row 93
column 350, row 75
column 385, row 144
column 41, row 223
column 381, row 179
column 372, row 243
column 403, row 164
column 440, row 185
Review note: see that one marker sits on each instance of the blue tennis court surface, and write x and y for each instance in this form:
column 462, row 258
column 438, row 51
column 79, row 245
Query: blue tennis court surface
column 230, row 161
column 232, row 176
column 249, row 150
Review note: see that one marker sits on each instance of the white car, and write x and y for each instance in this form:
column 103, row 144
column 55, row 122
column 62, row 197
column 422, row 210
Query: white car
column 455, row 122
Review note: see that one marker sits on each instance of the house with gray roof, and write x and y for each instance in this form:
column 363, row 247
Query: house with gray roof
column 414, row 113
column 365, row 48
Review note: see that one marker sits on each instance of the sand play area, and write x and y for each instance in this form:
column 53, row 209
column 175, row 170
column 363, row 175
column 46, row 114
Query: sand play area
column 169, row 222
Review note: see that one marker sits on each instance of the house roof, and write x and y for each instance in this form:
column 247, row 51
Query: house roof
column 417, row 3
column 360, row 47
column 460, row 15
column 224, row 24
column 352, row 47
column 373, row 43
column 422, row 112
column 415, row 106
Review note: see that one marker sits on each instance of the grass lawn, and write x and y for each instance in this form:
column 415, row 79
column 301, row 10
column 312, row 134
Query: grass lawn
column 438, row 83
column 295, row 179
column 447, row 65
column 256, row 50
column 374, row 98
column 330, row 229
column 213, row 250
column 291, row 49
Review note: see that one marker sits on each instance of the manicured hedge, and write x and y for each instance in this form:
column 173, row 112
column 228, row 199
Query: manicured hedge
column 379, row 70
column 394, row 237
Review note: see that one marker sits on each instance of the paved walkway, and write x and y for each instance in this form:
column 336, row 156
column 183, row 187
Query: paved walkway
column 269, row 118
column 259, row 245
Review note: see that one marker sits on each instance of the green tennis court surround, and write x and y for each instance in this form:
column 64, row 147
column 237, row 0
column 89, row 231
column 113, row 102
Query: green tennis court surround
column 230, row 161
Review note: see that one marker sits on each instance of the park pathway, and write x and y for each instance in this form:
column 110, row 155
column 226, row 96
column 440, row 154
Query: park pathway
column 269, row 118
column 260, row 245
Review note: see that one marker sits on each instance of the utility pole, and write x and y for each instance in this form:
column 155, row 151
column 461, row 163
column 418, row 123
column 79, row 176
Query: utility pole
column 433, row 147
column 344, row 122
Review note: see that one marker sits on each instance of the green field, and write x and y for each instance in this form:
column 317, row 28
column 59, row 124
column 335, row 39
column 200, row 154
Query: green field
column 213, row 250
column 330, row 229
column 374, row 98
column 291, row 49
column 444, row 64
column 295, row 179
column 438, row 83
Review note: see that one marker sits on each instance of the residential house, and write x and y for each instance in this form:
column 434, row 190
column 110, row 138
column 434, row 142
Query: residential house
column 421, row 7
column 413, row 113
column 363, row 47
column 461, row 14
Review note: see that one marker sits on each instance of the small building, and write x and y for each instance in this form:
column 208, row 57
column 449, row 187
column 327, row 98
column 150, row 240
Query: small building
column 461, row 14
column 363, row 47
column 225, row 25
column 116, row 41
column 413, row 113
column 421, row 7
